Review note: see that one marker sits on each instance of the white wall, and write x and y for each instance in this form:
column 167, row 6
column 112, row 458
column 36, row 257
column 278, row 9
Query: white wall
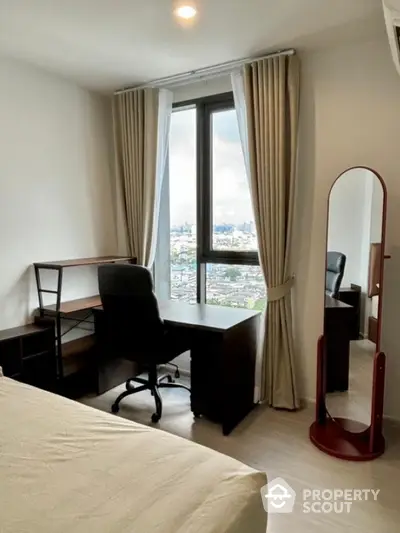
column 55, row 190
column 376, row 211
column 202, row 88
column 373, row 223
column 350, row 115
column 346, row 226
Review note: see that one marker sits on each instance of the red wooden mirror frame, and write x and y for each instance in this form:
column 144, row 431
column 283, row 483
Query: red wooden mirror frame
column 341, row 437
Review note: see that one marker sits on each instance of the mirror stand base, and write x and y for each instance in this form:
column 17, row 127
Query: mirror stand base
column 346, row 439
column 341, row 437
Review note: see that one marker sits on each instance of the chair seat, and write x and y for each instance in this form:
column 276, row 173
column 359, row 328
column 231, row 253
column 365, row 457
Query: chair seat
column 161, row 352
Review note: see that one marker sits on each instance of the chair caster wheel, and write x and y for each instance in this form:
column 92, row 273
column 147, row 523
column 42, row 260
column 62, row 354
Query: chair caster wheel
column 177, row 374
column 155, row 418
column 196, row 414
column 114, row 408
column 169, row 379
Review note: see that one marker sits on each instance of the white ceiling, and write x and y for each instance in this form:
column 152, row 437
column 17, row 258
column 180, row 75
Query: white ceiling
column 108, row 44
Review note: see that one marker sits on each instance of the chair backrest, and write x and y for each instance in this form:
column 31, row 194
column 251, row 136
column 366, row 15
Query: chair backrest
column 335, row 265
column 131, row 315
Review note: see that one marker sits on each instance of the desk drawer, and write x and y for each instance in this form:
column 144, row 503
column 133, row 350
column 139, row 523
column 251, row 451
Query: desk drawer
column 206, row 375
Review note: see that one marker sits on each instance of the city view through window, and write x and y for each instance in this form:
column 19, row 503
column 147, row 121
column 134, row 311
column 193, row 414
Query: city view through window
column 233, row 227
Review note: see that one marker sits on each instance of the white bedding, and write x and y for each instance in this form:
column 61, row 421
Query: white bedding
column 67, row 468
column 374, row 306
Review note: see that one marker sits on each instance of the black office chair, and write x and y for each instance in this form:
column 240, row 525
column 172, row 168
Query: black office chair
column 335, row 265
column 135, row 331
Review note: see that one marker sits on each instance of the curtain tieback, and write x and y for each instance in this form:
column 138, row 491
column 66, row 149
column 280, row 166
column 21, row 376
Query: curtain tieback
column 277, row 293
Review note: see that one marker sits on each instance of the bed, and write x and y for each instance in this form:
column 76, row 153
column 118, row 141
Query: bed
column 68, row 468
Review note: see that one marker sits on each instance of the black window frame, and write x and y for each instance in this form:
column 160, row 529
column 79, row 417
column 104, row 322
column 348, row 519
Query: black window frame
column 205, row 107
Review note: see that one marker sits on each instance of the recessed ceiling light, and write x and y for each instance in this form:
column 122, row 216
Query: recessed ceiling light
column 186, row 12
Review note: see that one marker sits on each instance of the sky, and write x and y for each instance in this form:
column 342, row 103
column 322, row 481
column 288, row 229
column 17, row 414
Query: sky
column 231, row 195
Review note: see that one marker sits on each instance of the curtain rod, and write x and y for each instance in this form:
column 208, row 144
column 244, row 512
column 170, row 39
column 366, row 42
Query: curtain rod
column 210, row 72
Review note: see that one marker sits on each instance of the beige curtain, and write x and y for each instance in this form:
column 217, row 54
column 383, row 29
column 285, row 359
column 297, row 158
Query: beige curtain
column 141, row 125
column 271, row 91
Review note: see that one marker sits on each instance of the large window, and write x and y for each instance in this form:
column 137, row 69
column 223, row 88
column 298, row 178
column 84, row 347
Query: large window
column 213, row 245
column 232, row 216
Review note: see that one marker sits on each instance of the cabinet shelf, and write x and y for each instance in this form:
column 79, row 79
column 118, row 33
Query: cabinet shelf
column 35, row 355
column 36, row 368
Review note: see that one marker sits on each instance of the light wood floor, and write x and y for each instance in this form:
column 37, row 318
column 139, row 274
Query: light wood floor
column 356, row 402
column 277, row 442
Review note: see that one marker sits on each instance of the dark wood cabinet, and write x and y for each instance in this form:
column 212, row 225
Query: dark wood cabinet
column 338, row 323
column 27, row 354
column 352, row 296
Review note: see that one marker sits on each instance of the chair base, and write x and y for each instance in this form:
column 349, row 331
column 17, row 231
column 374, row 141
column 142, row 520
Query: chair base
column 153, row 384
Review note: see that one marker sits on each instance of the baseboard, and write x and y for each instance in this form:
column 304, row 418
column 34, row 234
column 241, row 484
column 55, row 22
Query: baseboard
column 306, row 402
column 182, row 371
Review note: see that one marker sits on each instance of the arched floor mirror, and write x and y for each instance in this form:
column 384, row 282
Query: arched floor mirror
column 351, row 367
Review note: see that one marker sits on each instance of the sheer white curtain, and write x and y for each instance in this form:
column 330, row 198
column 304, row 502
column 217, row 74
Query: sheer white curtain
column 141, row 120
column 237, row 80
column 164, row 126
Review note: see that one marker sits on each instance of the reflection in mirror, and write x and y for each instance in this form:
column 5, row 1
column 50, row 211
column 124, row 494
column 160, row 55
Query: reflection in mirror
column 352, row 291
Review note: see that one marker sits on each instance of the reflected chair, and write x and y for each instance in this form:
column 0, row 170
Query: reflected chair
column 335, row 265
column 135, row 331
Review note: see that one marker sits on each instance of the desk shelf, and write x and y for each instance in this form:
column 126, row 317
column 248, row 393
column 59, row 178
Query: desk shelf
column 73, row 306
column 61, row 309
column 86, row 261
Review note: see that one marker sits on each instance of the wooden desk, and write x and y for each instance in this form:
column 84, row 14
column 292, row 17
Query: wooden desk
column 68, row 263
column 223, row 346
column 339, row 318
